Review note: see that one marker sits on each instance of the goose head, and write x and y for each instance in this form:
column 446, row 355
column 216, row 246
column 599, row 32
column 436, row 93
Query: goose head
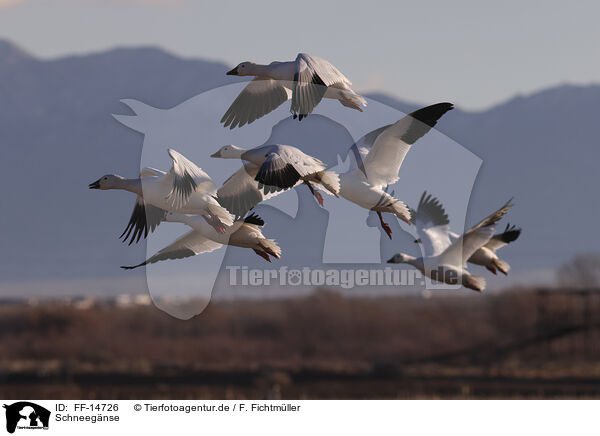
column 229, row 152
column 243, row 69
column 109, row 181
column 400, row 258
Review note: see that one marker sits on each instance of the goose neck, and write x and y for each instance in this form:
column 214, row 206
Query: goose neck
column 131, row 185
column 260, row 70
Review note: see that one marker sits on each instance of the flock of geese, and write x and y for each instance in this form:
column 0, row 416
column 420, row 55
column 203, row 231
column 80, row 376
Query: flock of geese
column 186, row 194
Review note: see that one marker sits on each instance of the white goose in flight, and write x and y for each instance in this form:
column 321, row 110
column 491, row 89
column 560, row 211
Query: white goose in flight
column 447, row 263
column 204, row 238
column 306, row 80
column 185, row 189
column 269, row 170
column 366, row 184
column 433, row 228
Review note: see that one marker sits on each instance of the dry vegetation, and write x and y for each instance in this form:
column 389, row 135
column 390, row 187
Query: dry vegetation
column 324, row 346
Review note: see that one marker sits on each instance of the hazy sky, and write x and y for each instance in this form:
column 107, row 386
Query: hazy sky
column 473, row 53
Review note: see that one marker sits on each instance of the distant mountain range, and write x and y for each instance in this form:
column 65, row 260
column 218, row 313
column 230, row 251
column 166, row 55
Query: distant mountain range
column 57, row 134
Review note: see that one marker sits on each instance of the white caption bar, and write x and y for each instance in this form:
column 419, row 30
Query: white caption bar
column 264, row 418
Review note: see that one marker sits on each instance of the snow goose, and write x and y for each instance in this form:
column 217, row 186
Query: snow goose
column 185, row 188
column 431, row 221
column 447, row 264
column 203, row 238
column 269, row 170
column 306, row 80
column 365, row 185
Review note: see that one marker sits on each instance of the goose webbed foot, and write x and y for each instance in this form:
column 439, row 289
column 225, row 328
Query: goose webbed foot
column 319, row 198
column 262, row 254
column 215, row 223
column 270, row 251
column 314, row 192
column 385, row 226
column 387, row 229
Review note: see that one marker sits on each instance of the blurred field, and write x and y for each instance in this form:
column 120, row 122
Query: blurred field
column 524, row 343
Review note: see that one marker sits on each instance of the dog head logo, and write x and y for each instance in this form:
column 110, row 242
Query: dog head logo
column 26, row 415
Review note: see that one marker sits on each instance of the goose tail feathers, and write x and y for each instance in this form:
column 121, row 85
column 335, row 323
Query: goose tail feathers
column 353, row 101
column 330, row 180
column 401, row 211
